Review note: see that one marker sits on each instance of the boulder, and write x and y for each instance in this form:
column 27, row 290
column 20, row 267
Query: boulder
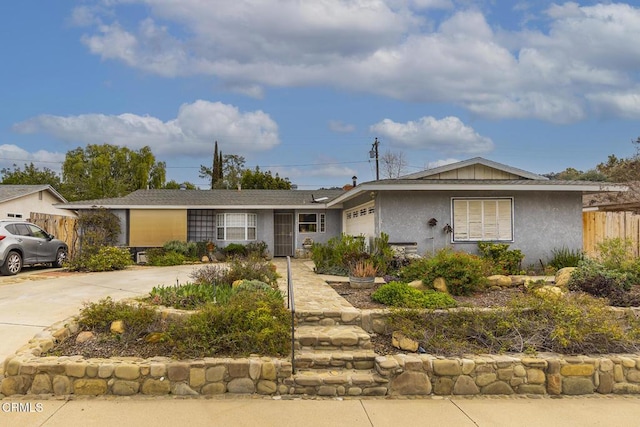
column 84, row 336
column 499, row 280
column 440, row 285
column 418, row 284
column 548, row 291
column 117, row 327
column 401, row 341
column 563, row 275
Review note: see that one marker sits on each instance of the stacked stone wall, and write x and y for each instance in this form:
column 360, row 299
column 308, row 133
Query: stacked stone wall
column 28, row 372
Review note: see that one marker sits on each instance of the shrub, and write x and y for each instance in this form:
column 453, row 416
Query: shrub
column 400, row 294
column 107, row 258
column 234, row 250
column 99, row 316
column 364, row 268
column 340, row 253
column 189, row 296
column 617, row 254
column 565, row 257
column 252, row 268
column 258, row 249
column 187, row 249
column 598, row 280
column 503, row 260
column 415, row 270
column 212, row 275
column 160, row 257
column 253, row 321
column 463, row 272
column 574, row 324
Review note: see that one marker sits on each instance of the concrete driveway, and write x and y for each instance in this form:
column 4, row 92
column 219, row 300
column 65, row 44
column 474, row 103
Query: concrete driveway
column 38, row 298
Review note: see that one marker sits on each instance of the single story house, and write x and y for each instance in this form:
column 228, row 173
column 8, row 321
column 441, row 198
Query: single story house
column 24, row 201
column 456, row 206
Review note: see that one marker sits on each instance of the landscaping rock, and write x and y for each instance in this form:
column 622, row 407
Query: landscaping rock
column 500, row 281
column 418, row 284
column 563, row 275
column 117, row 327
column 440, row 285
column 399, row 340
column 85, row 336
column 465, row 385
column 411, row 383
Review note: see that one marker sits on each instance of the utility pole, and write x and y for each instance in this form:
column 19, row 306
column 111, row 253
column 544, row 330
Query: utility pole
column 374, row 154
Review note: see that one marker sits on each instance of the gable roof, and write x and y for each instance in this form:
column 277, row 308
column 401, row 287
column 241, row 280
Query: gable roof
column 508, row 171
column 212, row 199
column 508, row 179
column 12, row 192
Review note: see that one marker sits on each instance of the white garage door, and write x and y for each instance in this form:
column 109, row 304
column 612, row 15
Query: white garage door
column 360, row 220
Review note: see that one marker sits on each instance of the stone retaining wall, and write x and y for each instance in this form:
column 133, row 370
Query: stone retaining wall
column 27, row 372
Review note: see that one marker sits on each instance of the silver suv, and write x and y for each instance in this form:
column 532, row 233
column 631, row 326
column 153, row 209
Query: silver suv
column 23, row 243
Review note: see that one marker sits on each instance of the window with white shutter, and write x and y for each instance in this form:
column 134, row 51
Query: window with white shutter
column 477, row 220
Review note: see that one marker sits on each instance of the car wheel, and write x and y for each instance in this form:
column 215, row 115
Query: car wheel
column 61, row 256
column 12, row 265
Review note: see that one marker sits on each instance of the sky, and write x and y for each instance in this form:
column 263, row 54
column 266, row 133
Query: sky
column 304, row 87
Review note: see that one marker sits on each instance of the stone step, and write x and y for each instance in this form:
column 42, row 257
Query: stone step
column 321, row 359
column 339, row 382
column 329, row 316
column 334, row 338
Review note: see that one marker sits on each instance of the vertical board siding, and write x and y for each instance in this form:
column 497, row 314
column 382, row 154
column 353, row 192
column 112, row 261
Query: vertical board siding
column 62, row 227
column 598, row 226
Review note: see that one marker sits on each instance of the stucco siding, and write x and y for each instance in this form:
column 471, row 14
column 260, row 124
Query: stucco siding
column 542, row 220
column 333, row 226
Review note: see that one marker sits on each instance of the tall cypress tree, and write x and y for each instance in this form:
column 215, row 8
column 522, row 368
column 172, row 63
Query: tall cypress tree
column 214, row 167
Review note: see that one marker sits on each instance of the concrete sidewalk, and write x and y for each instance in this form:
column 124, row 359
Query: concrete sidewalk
column 619, row 411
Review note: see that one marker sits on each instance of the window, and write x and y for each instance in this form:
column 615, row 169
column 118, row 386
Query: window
column 14, row 215
column 311, row 223
column 482, row 219
column 201, row 225
column 237, row 226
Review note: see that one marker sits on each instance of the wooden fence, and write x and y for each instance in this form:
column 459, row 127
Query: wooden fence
column 598, row 226
column 62, row 227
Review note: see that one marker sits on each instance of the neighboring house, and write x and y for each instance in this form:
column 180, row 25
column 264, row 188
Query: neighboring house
column 280, row 218
column 455, row 206
column 24, row 201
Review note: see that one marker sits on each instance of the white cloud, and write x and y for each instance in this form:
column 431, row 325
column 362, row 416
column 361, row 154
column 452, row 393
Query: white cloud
column 439, row 163
column 626, row 104
column 448, row 135
column 13, row 155
column 390, row 47
column 341, row 127
column 191, row 133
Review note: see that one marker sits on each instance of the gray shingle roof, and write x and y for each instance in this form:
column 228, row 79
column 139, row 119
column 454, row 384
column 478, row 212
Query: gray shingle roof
column 10, row 192
column 211, row 198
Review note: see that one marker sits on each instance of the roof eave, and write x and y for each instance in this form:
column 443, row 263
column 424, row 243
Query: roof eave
column 436, row 186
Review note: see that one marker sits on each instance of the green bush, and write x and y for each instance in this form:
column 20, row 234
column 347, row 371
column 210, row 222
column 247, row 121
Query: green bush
column 574, row 324
column 565, row 257
column 212, row 274
column 159, row 257
column 598, row 280
column 502, row 260
column 400, row 294
column 187, row 249
column 99, row 316
column 617, row 254
column 415, row 270
column 189, row 296
column 107, row 258
column 252, row 268
column 252, row 321
column 235, row 250
column 258, row 248
column 340, row 253
column 463, row 272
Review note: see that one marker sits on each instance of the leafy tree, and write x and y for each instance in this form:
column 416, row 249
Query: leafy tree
column 100, row 171
column 259, row 180
column 30, row 175
column 233, row 167
column 175, row 185
column 572, row 174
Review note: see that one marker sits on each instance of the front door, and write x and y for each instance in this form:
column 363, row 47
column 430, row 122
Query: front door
column 283, row 234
